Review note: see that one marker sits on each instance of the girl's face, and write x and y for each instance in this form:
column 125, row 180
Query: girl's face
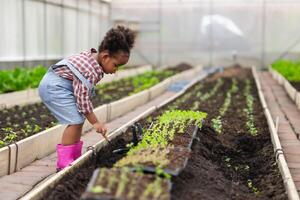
column 110, row 63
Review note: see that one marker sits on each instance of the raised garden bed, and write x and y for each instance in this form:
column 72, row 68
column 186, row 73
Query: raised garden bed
column 19, row 154
column 287, row 74
column 233, row 164
column 230, row 164
column 290, row 70
column 20, row 122
column 29, row 96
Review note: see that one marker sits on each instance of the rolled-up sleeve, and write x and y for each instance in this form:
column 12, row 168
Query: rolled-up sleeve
column 81, row 93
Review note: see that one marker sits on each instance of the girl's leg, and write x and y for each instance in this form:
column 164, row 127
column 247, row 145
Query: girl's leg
column 71, row 146
column 71, row 134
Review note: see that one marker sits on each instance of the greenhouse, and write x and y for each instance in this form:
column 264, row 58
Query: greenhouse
column 149, row 99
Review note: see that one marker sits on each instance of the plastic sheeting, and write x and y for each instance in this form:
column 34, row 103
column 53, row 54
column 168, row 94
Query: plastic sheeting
column 38, row 30
column 209, row 32
column 212, row 32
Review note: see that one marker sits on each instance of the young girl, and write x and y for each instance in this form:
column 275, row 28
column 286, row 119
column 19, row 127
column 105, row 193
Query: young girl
column 67, row 87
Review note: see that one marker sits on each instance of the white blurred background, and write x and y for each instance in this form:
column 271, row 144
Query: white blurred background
column 208, row 32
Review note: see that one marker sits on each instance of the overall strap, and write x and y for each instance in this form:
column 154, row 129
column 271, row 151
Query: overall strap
column 78, row 75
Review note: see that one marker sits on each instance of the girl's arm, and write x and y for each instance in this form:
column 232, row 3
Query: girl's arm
column 100, row 127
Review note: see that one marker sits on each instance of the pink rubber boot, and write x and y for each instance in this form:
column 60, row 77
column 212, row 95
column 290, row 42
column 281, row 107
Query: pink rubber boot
column 67, row 154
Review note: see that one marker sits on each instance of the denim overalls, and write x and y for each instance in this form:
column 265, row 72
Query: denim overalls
column 58, row 95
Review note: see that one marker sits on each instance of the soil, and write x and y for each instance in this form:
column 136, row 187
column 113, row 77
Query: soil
column 24, row 121
column 223, row 166
column 296, row 85
column 183, row 139
column 231, row 165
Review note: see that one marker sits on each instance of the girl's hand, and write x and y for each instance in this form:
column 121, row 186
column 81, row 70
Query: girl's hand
column 100, row 128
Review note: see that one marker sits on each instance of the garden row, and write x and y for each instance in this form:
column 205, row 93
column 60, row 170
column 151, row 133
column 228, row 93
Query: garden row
column 23, row 78
column 231, row 156
column 29, row 121
column 20, row 122
column 29, row 93
column 289, row 70
column 287, row 74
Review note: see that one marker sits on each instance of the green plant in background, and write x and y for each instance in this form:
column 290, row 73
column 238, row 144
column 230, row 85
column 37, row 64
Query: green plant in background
column 139, row 83
column 249, row 110
column 213, row 91
column 289, row 69
column 21, row 78
column 148, row 79
column 217, row 121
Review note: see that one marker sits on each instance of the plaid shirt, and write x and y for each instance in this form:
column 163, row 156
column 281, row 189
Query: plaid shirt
column 90, row 69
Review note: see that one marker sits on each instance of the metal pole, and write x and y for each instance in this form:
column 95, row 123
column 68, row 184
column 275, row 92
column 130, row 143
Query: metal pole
column 160, row 34
column 110, row 19
column 62, row 35
column 45, row 33
column 77, row 26
column 90, row 25
column 23, row 33
column 263, row 35
column 211, row 34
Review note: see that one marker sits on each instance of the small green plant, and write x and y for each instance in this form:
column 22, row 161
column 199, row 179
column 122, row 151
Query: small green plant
column 2, row 143
column 213, row 91
column 217, row 121
column 122, row 183
column 249, row 110
column 10, row 138
column 37, row 128
column 251, row 186
column 217, row 124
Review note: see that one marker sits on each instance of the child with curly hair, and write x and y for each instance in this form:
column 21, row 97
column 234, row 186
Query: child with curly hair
column 67, row 88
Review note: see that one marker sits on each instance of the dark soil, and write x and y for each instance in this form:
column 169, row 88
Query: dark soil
column 223, row 166
column 296, row 85
column 24, row 121
column 231, row 165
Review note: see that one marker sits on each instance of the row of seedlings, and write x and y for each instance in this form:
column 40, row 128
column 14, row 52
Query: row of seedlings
column 163, row 151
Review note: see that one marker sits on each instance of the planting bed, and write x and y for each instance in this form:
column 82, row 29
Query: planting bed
column 231, row 160
column 124, row 184
column 171, row 159
column 290, row 70
column 234, row 164
column 20, row 122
